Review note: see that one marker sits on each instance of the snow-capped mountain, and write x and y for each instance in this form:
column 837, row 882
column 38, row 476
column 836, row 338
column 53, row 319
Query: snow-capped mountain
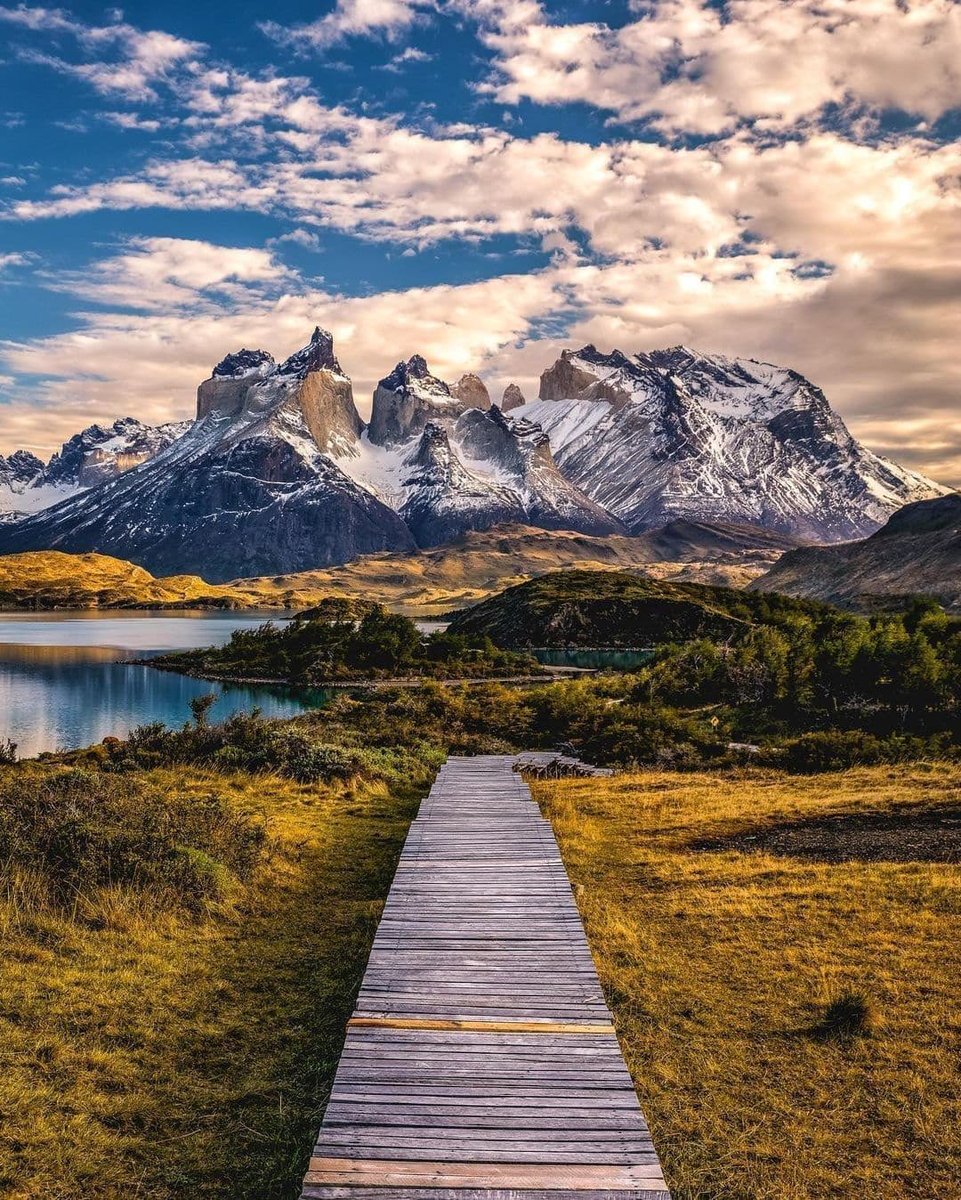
column 96, row 454
column 675, row 433
column 449, row 462
column 250, row 489
column 279, row 473
column 410, row 396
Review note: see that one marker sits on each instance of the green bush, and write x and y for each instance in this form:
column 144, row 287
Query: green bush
column 84, row 829
column 836, row 750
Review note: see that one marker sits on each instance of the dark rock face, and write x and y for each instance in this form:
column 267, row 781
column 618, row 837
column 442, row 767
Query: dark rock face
column 254, row 507
column 927, row 516
column 406, row 400
column 102, row 452
column 21, row 467
column 243, row 362
column 317, row 355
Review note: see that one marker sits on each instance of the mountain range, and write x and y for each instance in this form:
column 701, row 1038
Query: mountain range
column 279, row 473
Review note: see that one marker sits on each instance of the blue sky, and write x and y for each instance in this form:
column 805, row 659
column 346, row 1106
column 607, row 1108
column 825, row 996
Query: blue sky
column 484, row 182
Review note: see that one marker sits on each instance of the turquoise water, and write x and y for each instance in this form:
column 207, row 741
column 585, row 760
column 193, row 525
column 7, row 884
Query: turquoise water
column 62, row 686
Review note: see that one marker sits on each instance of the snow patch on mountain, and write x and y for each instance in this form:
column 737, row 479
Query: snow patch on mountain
column 674, row 433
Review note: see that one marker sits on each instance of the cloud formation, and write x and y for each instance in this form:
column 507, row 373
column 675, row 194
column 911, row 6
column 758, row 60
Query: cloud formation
column 696, row 67
column 760, row 209
column 349, row 18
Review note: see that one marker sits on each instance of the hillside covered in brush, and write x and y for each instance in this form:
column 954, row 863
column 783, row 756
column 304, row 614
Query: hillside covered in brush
column 617, row 609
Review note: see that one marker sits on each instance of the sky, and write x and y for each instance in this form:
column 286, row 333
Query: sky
column 484, row 182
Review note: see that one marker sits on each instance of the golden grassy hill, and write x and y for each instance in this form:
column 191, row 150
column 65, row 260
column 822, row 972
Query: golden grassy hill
column 449, row 576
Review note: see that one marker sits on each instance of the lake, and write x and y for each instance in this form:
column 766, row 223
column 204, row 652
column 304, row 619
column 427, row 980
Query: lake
column 63, row 683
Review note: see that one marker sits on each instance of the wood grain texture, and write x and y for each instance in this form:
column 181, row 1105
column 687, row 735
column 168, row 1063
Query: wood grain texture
column 481, row 1062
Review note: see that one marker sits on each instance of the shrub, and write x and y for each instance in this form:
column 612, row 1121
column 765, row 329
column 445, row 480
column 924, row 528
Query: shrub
column 835, row 750
column 81, row 830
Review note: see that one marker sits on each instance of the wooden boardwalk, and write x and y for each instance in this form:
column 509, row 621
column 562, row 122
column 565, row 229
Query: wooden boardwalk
column 481, row 1062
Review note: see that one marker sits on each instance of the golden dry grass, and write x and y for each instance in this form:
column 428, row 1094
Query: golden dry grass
column 429, row 580
column 145, row 1054
column 720, row 966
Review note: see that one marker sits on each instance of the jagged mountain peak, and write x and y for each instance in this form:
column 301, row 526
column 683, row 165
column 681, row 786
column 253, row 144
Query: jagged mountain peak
column 244, row 362
column 21, row 466
column 410, row 397
column 513, row 398
column 674, row 433
column 414, row 374
column 317, row 355
column 471, row 390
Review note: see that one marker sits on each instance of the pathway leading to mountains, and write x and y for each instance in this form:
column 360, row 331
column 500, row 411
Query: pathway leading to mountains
column 481, row 1062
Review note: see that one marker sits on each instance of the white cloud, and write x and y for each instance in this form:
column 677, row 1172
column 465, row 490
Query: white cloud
column 12, row 259
column 126, row 120
column 141, row 58
column 304, row 238
column 694, row 66
column 410, row 54
column 46, row 20
column 349, row 18
column 168, row 274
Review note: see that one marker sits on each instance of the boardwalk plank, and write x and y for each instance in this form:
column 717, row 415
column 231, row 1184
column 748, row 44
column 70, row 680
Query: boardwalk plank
column 481, row 1062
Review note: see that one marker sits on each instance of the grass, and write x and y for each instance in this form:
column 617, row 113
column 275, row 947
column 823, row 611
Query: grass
column 793, row 1025
column 434, row 580
column 150, row 1051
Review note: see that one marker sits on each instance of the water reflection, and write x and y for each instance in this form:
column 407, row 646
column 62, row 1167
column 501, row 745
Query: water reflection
column 60, row 696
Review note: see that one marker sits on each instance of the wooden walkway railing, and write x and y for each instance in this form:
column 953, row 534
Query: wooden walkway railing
column 481, row 1062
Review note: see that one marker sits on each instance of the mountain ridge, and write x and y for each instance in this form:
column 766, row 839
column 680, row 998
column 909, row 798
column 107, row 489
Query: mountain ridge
column 917, row 553
column 279, row 473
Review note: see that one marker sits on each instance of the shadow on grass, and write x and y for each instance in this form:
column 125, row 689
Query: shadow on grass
column 905, row 834
column 256, row 1068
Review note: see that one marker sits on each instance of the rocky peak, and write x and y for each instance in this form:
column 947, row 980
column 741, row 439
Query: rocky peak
column 21, row 467
column 410, row 397
column 433, row 448
column 243, row 362
column 472, row 392
column 513, row 398
column 317, row 355
column 507, row 443
column 414, row 373
column 588, row 374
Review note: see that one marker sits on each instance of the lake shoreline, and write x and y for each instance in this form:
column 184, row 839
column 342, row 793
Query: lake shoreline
column 549, row 674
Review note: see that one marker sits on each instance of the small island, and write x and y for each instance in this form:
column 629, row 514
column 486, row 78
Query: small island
column 345, row 642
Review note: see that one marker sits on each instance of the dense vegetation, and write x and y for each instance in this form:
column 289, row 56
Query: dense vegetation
column 334, row 643
column 807, row 688
column 804, row 687
column 615, row 608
